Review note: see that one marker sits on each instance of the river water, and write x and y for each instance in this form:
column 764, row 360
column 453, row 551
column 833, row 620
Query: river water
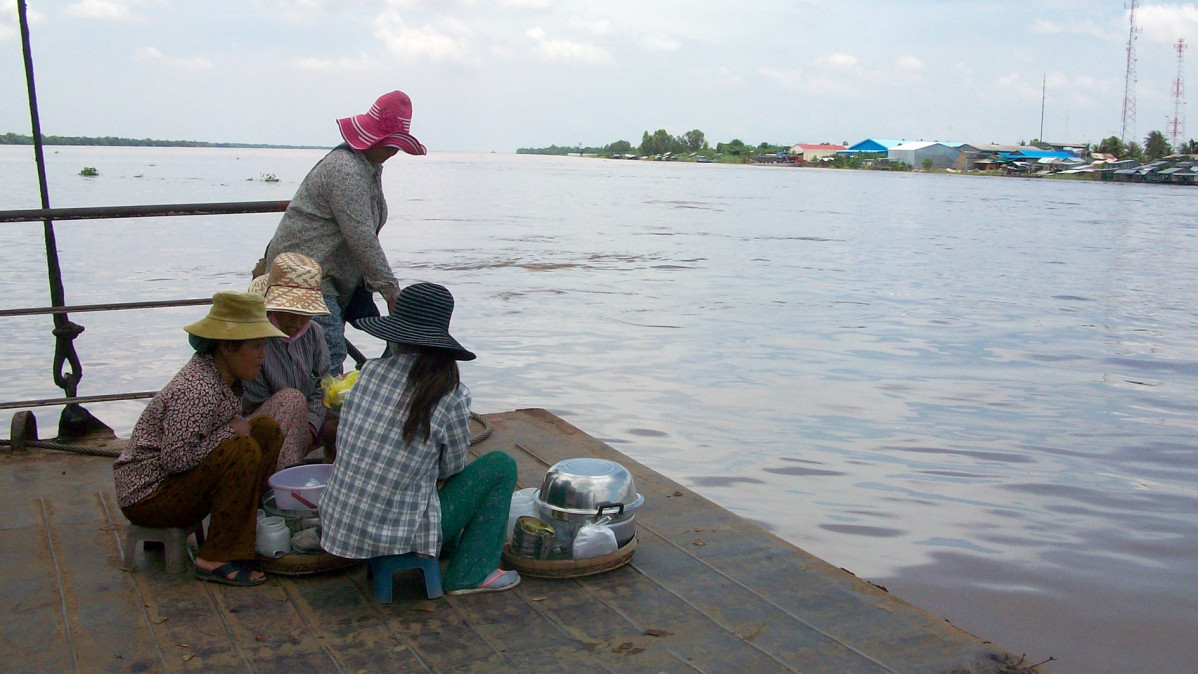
column 977, row 392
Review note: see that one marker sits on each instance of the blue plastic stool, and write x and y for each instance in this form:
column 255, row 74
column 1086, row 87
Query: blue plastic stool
column 381, row 571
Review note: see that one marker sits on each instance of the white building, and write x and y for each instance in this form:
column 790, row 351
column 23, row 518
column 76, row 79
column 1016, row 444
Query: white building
column 915, row 153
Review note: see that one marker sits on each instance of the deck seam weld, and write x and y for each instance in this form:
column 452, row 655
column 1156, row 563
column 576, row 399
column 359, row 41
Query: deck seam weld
column 62, row 597
column 308, row 623
column 368, row 594
column 128, row 577
column 767, row 600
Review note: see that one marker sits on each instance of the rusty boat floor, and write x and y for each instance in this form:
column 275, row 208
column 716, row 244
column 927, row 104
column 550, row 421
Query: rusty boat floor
column 706, row 591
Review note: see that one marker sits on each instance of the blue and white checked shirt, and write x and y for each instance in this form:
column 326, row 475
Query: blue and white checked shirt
column 297, row 363
column 382, row 496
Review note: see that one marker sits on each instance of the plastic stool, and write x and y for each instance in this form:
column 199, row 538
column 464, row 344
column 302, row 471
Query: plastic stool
column 381, row 571
column 173, row 538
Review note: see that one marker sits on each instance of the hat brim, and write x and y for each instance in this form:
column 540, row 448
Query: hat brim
column 395, row 330
column 360, row 132
column 302, row 301
column 214, row 328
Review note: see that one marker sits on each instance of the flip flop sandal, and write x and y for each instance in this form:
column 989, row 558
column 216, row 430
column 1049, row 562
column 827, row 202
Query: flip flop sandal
column 498, row 581
column 242, row 577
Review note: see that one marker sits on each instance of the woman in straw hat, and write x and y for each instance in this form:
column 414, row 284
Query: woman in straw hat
column 401, row 482
column 338, row 210
column 298, row 360
column 192, row 455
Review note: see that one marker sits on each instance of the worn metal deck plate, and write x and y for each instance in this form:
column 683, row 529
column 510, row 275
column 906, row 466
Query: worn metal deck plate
column 743, row 600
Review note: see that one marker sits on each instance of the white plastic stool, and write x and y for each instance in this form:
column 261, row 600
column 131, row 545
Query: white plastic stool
column 174, row 539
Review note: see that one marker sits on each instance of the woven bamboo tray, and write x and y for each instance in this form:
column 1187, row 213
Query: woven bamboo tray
column 569, row 568
column 304, row 564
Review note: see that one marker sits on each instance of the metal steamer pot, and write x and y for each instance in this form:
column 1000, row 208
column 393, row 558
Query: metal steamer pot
column 576, row 491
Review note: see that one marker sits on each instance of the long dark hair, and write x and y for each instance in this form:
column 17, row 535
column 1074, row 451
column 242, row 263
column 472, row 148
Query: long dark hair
column 434, row 375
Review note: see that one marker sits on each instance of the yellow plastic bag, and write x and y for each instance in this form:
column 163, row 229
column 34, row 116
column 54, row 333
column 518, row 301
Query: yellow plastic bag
column 336, row 387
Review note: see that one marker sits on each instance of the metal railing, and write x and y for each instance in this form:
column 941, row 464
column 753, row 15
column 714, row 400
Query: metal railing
column 75, row 421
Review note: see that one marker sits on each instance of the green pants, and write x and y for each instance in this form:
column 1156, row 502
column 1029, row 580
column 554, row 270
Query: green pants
column 474, row 509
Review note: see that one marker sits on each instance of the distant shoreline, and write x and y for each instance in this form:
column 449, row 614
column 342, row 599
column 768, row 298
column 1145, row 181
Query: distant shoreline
column 116, row 141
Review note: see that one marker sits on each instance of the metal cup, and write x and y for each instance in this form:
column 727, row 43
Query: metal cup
column 531, row 537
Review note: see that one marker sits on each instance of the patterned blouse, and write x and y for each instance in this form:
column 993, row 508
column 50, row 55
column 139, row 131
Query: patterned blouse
column 335, row 218
column 183, row 422
column 382, row 496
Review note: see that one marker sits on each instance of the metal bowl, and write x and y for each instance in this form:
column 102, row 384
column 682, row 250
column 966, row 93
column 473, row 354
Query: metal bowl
column 581, row 485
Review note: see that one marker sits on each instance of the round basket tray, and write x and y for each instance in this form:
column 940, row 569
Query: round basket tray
column 569, row 568
column 304, row 564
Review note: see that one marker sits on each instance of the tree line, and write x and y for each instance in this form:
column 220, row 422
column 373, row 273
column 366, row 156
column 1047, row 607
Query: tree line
column 660, row 142
column 116, row 141
column 1155, row 146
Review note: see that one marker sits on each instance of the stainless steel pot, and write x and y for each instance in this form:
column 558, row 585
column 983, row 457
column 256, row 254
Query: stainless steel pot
column 582, row 485
column 576, row 491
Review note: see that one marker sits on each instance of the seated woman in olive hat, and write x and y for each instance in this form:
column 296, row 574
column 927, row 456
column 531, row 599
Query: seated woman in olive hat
column 298, row 360
column 191, row 454
column 400, row 483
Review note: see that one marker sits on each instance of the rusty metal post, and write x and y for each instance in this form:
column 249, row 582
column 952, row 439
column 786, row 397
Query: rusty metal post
column 75, row 420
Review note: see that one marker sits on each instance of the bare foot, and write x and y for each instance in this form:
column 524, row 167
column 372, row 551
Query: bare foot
column 206, row 565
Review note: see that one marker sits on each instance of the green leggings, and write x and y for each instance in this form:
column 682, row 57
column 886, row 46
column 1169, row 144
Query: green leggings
column 474, row 506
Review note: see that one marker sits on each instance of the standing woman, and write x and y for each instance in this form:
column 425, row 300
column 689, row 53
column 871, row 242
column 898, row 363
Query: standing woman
column 298, row 360
column 338, row 210
column 400, row 483
column 191, row 454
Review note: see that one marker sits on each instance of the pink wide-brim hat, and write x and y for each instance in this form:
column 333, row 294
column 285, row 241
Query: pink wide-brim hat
column 388, row 123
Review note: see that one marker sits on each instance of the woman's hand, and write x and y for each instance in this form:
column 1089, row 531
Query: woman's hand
column 240, row 426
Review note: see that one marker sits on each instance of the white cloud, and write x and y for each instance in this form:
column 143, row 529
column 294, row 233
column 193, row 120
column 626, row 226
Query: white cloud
column 813, row 82
column 1086, row 27
column 592, row 26
column 909, row 63
column 839, row 60
column 360, row 62
column 450, row 41
column 564, row 50
column 99, row 9
column 660, row 42
column 1166, row 23
column 527, row 4
column 8, row 21
column 789, row 79
column 1044, row 26
column 154, row 55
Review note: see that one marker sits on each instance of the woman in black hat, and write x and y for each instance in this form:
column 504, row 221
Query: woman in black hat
column 400, row 482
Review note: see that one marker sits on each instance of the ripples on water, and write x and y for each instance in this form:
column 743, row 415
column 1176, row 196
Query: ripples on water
column 978, row 392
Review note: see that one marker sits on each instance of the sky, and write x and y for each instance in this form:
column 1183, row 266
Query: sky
column 497, row 75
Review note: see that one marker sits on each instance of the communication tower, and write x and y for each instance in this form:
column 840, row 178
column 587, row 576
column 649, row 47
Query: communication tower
column 1129, row 80
column 1177, row 125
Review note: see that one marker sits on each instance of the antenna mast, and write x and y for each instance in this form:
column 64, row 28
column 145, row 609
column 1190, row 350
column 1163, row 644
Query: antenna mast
column 1129, row 80
column 1043, row 96
column 1177, row 125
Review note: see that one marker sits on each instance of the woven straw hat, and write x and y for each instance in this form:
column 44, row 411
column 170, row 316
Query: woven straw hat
column 292, row 285
column 421, row 318
column 235, row 316
column 259, row 285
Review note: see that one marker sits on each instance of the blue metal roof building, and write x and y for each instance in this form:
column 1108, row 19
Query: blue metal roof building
column 871, row 145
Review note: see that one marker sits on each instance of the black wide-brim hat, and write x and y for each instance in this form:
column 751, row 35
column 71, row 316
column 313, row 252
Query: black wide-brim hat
column 421, row 318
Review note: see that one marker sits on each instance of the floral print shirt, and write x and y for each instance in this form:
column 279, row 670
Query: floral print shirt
column 184, row 421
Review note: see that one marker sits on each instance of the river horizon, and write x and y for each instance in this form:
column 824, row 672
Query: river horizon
column 976, row 392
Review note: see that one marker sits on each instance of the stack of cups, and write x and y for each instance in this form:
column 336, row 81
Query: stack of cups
column 522, row 504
